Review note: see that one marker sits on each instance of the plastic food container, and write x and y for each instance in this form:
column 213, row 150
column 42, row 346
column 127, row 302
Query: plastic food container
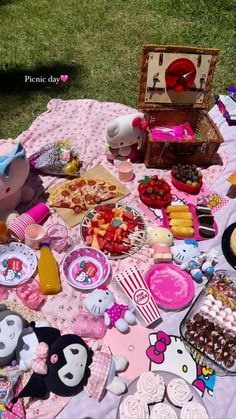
column 209, row 327
column 185, row 187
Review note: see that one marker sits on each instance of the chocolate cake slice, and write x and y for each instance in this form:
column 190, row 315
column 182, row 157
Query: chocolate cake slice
column 206, row 230
column 206, row 219
column 203, row 209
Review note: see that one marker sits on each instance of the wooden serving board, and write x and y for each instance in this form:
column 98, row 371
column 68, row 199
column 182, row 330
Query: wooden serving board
column 98, row 172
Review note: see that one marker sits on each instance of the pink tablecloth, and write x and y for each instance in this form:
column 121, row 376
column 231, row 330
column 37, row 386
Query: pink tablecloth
column 84, row 121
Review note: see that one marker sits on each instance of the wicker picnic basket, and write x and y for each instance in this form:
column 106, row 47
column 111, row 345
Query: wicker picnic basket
column 165, row 106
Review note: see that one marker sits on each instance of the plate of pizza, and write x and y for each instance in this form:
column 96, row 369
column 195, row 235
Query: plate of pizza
column 82, row 194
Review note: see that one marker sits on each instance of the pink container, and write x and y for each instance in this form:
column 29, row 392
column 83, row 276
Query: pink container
column 38, row 213
column 18, row 226
column 88, row 326
column 34, row 235
column 125, row 171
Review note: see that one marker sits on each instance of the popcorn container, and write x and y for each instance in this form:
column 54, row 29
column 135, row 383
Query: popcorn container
column 134, row 286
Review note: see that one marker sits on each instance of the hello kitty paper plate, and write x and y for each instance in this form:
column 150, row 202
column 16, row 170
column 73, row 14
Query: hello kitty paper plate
column 171, row 287
column 86, row 268
column 17, row 263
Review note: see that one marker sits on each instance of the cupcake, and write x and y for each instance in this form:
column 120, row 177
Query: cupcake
column 151, row 387
column 162, row 411
column 134, row 407
column 193, row 410
column 178, row 392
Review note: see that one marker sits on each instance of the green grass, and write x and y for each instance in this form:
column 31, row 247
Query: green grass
column 97, row 43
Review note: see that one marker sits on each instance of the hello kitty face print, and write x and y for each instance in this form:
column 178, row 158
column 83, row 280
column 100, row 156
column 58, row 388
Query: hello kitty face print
column 86, row 273
column 98, row 301
column 13, row 268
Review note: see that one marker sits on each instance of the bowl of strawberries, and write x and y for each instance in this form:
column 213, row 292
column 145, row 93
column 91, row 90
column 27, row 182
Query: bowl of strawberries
column 154, row 192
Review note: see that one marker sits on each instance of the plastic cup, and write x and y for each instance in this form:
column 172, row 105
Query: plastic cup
column 39, row 212
column 125, row 171
column 17, row 227
column 34, row 235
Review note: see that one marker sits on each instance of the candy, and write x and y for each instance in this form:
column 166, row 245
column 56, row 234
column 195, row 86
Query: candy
column 229, row 318
column 212, row 313
column 204, row 309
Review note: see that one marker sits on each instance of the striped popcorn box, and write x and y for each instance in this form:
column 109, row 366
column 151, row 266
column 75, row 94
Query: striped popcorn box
column 134, row 286
column 18, row 226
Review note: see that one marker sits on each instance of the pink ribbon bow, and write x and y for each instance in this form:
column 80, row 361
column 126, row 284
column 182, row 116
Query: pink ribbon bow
column 139, row 122
column 156, row 353
column 38, row 364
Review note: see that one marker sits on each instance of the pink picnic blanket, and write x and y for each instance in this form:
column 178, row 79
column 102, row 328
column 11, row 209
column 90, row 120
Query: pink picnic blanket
column 84, row 122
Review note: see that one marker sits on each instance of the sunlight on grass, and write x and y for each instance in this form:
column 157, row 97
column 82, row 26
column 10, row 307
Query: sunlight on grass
column 98, row 42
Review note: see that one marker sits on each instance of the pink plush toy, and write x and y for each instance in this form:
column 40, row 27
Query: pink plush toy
column 124, row 136
column 101, row 302
column 14, row 169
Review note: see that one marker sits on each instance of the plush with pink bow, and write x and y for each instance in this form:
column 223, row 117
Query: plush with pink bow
column 124, row 136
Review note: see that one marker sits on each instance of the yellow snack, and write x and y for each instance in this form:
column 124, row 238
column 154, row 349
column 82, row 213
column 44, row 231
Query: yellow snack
column 181, row 215
column 175, row 208
column 181, row 222
column 182, row 231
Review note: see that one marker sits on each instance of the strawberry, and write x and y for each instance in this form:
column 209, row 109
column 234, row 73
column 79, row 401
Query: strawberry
column 101, row 243
column 128, row 215
column 155, row 178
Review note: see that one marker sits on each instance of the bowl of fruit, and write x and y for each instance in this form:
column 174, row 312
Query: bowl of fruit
column 115, row 229
column 154, row 192
column 186, row 178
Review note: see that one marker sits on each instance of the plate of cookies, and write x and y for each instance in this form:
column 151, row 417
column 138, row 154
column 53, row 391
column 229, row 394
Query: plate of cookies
column 190, row 221
column 161, row 395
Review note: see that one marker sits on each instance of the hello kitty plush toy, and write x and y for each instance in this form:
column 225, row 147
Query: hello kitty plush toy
column 160, row 239
column 101, row 302
column 14, row 169
column 124, row 136
column 189, row 257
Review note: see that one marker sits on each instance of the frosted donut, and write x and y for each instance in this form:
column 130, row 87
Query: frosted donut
column 163, row 411
column 178, row 392
column 193, row 410
column 151, row 387
column 133, row 407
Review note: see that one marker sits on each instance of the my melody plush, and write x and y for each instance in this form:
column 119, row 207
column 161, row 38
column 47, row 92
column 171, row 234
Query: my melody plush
column 189, row 257
column 101, row 302
column 65, row 365
column 124, row 135
column 14, row 170
column 160, row 239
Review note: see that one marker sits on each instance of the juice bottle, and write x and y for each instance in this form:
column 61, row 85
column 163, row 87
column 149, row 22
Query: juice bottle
column 48, row 271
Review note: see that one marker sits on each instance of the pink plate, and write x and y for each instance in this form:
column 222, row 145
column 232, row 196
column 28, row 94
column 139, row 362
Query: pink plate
column 86, row 268
column 171, row 287
column 196, row 224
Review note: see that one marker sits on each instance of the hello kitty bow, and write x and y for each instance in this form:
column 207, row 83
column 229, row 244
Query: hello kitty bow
column 140, row 123
column 156, row 352
column 38, row 364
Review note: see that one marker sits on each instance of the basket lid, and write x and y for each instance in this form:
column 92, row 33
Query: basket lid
column 176, row 76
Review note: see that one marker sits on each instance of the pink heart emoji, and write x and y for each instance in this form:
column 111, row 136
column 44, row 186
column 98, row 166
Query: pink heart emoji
column 64, row 77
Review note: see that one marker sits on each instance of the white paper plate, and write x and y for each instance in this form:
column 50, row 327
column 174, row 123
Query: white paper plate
column 17, row 263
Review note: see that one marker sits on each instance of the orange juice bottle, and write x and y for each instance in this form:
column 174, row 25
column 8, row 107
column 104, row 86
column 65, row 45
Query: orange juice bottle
column 4, row 236
column 48, row 271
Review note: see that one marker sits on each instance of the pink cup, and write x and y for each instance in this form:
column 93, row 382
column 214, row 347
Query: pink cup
column 34, row 235
column 38, row 212
column 125, row 171
column 18, row 226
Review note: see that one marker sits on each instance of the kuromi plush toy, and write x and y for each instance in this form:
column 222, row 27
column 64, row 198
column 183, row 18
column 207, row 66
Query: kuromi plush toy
column 65, row 365
column 124, row 136
column 101, row 302
column 14, row 170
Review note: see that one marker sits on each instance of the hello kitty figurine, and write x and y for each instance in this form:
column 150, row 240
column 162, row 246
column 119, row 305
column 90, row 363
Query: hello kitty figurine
column 14, row 169
column 160, row 239
column 101, row 302
column 124, row 136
